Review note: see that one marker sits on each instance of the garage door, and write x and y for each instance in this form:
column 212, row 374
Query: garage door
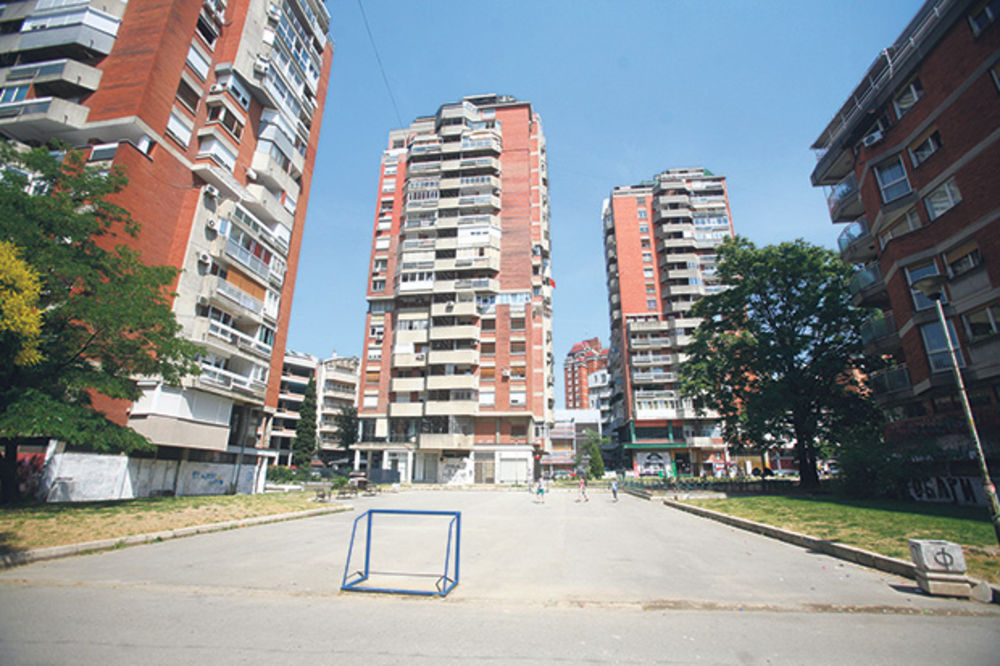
column 512, row 471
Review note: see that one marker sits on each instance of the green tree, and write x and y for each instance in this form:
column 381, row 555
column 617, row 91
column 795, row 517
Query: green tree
column 304, row 444
column 778, row 353
column 20, row 318
column 347, row 426
column 106, row 315
column 588, row 454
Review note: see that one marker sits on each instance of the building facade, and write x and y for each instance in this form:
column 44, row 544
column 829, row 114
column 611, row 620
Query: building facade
column 583, row 359
column 213, row 109
column 337, row 382
column 457, row 385
column 911, row 163
column 569, row 432
column 599, row 396
column 660, row 240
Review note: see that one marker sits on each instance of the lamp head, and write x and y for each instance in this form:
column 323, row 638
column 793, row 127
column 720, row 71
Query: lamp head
column 931, row 286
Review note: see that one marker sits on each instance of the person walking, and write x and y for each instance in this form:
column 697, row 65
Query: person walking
column 583, row 489
column 614, row 489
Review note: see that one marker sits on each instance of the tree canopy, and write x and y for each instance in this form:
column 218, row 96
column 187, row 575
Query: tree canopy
column 347, row 426
column 778, row 353
column 105, row 316
column 304, row 444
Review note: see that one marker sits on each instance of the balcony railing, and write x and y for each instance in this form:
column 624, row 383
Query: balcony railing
column 245, row 257
column 841, row 192
column 877, row 327
column 864, row 278
column 893, row 379
column 241, row 340
column 230, row 380
column 851, row 233
column 238, row 296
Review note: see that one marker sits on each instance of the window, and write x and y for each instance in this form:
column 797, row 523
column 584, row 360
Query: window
column 908, row 97
column 643, row 228
column 188, row 95
column 488, row 348
column 13, row 94
column 942, row 199
column 937, row 347
column 642, row 213
column 983, row 323
column 647, row 257
column 518, row 397
column 909, row 221
column 216, row 150
column 198, row 62
column 379, row 265
column 964, row 259
column 916, row 272
column 179, row 129
column 378, row 285
column 647, row 272
column 983, row 17
column 487, row 398
column 516, row 348
column 487, row 373
column 218, row 113
column 650, row 288
column 925, row 147
column 517, row 324
column 892, row 180
column 207, row 31
column 519, row 431
column 370, row 402
column 651, row 303
column 382, row 243
column 644, row 242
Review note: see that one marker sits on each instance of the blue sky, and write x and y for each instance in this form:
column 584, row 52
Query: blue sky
column 625, row 89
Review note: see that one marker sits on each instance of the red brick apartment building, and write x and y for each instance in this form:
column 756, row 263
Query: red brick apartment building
column 583, row 359
column 660, row 240
column 213, row 108
column 457, row 376
column 912, row 163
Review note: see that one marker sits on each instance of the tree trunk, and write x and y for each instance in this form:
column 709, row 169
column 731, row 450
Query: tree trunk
column 8, row 472
column 808, row 477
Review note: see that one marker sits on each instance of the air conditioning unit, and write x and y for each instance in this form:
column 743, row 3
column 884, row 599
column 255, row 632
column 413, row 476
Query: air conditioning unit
column 261, row 65
column 505, row 373
column 273, row 13
column 211, row 191
column 204, row 258
column 217, row 88
column 251, row 174
column 212, row 223
column 872, row 138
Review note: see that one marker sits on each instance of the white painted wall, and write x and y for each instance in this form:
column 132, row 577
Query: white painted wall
column 82, row 477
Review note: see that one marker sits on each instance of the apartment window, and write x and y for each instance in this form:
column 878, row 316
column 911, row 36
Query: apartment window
column 651, row 303
column 642, row 213
column 937, row 347
column 517, row 347
column 517, row 324
column 198, row 62
column 518, row 397
column 211, row 147
column 372, row 377
column 488, row 348
column 908, row 97
column 519, row 431
column 984, row 16
column 942, row 199
column 488, row 373
column 517, row 372
column 188, row 95
column 647, row 257
column 489, row 325
column 370, row 402
column 909, row 221
column 378, row 285
column 487, row 398
column 647, row 272
column 218, row 113
column 983, row 323
column 379, row 265
column 917, row 272
column 179, row 129
column 13, row 94
column 644, row 242
column 650, row 288
column 924, row 147
column 964, row 259
column 892, row 180
column 207, row 31
column 643, row 228
column 381, row 243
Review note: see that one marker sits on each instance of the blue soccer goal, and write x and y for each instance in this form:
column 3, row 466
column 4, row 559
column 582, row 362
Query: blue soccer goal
column 410, row 542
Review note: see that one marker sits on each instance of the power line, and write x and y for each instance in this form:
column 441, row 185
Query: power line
column 378, row 59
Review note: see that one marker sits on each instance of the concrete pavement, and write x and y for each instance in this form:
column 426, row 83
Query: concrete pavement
column 626, row 582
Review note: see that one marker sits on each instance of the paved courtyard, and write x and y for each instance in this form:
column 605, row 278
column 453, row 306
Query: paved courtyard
column 563, row 581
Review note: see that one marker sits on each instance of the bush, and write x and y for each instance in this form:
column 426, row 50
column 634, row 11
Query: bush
column 282, row 474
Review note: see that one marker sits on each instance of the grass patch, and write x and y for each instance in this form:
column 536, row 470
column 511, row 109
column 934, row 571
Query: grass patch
column 24, row 527
column 881, row 526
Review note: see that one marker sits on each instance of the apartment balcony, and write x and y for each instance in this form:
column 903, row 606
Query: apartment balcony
column 649, row 343
column 889, row 383
column 649, row 326
column 337, row 392
column 984, row 359
column 970, row 283
column 40, row 119
column 682, row 289
column 844, row 200
column 857, row 244
column 407, row 384
column 92, row 37
column 227, row 292
column 218, row 378
column 242, row 341
column 668, row 244
column 449, row 382
column 478, row 219
column 245, row 258
column 451, row 407
column 477, row 284
column 417, row 244
column 653, row 377
column 879, row 333
column 455, row 356
column 445, row 243
column 446, row 441
column 467, row 332
column 867, row 286
column 411, row 337
column 678, row 199
column 398, row 409
column 409, row 360
column 265, row 204
column 56, row 78
column 652, row 359
column 462, row 308
column 271, row 174
column 646, row 394
column 422, row 287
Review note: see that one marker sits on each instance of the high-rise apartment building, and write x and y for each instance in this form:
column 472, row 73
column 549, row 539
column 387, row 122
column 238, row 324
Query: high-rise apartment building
column 583, row 359
column 660, row 240
column 213, row 108
column 912, row 162
column 457, row 385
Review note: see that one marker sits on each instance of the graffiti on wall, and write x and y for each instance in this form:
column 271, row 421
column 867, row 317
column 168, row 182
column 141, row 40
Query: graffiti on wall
column 950, row 489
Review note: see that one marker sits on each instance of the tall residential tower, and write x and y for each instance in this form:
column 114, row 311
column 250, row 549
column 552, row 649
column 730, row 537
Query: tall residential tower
column 213, row 108
column 457, row 379
column 660, row 239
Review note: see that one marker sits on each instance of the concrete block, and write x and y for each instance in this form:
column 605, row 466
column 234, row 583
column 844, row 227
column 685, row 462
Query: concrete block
column 944, row 584
column 937, row 555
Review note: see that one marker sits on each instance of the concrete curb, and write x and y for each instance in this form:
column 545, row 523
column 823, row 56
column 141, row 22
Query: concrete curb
column 636, row 492
column 841, row 551
column 39, row 554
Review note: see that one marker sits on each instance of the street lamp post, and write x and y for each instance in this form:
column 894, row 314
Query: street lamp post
column 932, row 287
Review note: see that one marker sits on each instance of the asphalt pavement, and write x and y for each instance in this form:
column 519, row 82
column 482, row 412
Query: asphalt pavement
column 560, row 581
